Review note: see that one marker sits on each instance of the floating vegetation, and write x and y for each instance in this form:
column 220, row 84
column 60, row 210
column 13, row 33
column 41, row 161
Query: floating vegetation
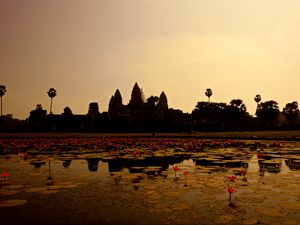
column 175, row 180
column 272, row 212
column 13, row 202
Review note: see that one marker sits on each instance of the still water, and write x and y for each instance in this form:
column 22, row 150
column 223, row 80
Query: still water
column 170, row 186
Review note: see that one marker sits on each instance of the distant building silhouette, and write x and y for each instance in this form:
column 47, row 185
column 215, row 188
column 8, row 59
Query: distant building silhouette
column 154, row 115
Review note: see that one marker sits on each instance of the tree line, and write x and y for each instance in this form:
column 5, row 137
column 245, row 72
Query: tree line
column 154, row 115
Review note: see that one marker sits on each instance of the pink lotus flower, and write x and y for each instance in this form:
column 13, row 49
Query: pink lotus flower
column 185, row 173
column 230, row 190
column 137, row 152
column 175, row 168
column 232, row 177
column 4, row 174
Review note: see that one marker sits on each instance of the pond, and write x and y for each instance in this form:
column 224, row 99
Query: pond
column 145, row 185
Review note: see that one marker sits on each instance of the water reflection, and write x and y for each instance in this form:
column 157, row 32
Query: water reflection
column 93, row 164
column 293, row 163
column 37, row 164
column 49, row 178
column 270, row 166
column 136, row 165
column 67, row 163
column 156, row 165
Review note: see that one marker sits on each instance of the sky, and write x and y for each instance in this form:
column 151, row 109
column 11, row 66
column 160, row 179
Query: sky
column 88, row 49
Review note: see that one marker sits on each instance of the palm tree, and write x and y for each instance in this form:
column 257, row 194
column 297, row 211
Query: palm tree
column 2, row 92
column 208, row 93
column 257, row 98
column 51, row 93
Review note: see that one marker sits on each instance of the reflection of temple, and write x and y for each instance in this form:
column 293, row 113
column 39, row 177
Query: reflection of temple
column 270, row 166
column 93, row 164
column 118, row 164
column 293, row 164
column 236, row 163
column 67, row 163
column 37, row 164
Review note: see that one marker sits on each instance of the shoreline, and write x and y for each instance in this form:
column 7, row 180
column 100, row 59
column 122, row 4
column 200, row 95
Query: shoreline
column 247, row 135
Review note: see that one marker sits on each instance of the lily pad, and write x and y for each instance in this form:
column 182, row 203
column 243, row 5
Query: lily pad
column 13, row 202
column 290, row 222
column 35, row 189
column 48, row 192
column 250, row 221
column 273, row 212
column 9, row 192
column 291, row 205
column 12, row 187
column 224, row 219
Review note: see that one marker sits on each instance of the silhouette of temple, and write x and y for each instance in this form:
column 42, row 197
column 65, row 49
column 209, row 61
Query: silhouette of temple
column 139, row 115
column 154, row 115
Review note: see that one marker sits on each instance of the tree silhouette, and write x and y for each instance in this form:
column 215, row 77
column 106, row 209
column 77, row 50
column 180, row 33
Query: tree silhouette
column 257, row 99
column 151, row 102
column 208, row 93
column 67, row 111
column 267, row 109
column 237, row 113
column 291, row 111
column 238, row 105
column 2, row 92
column 268, row 113
column 51, row 93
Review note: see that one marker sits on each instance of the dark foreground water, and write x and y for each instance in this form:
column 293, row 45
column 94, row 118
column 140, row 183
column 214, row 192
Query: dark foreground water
column 153, row 186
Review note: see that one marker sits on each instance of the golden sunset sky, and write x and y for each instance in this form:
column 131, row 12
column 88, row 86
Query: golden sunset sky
column 88, row 49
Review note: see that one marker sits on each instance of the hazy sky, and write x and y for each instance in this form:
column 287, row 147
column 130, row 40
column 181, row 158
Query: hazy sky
column 86, row 49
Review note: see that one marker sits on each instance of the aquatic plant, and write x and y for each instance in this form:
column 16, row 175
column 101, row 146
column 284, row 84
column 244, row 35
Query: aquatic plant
column 231, row 190
column 244, row 172
column 185, row 173
column 4, row 175
column 232, row 178
column 176, row 168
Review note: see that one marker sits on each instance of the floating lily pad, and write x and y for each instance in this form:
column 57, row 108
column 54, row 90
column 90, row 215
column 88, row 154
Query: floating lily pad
column 250, row 221
column 224, row 219
column 160, row 210
column 273, row 212
column 290, row 222
column 9, row 192
column 291, row 205
column 35, row 189
column 13, row 202
column 251, row 199
column 12, row 187
column 48, row 192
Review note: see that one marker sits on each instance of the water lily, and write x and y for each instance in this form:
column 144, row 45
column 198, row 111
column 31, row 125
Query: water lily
column 176, row 168
column 232, row 177
column 4, row 175
column 185, row 173
column 230, row 190
column 244, row 172
column 137, row 153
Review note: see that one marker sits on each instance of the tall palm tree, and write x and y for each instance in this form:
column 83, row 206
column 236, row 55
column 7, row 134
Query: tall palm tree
column 2, row 92
column 51, row 93
column 208, row 93
column 257, row 99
